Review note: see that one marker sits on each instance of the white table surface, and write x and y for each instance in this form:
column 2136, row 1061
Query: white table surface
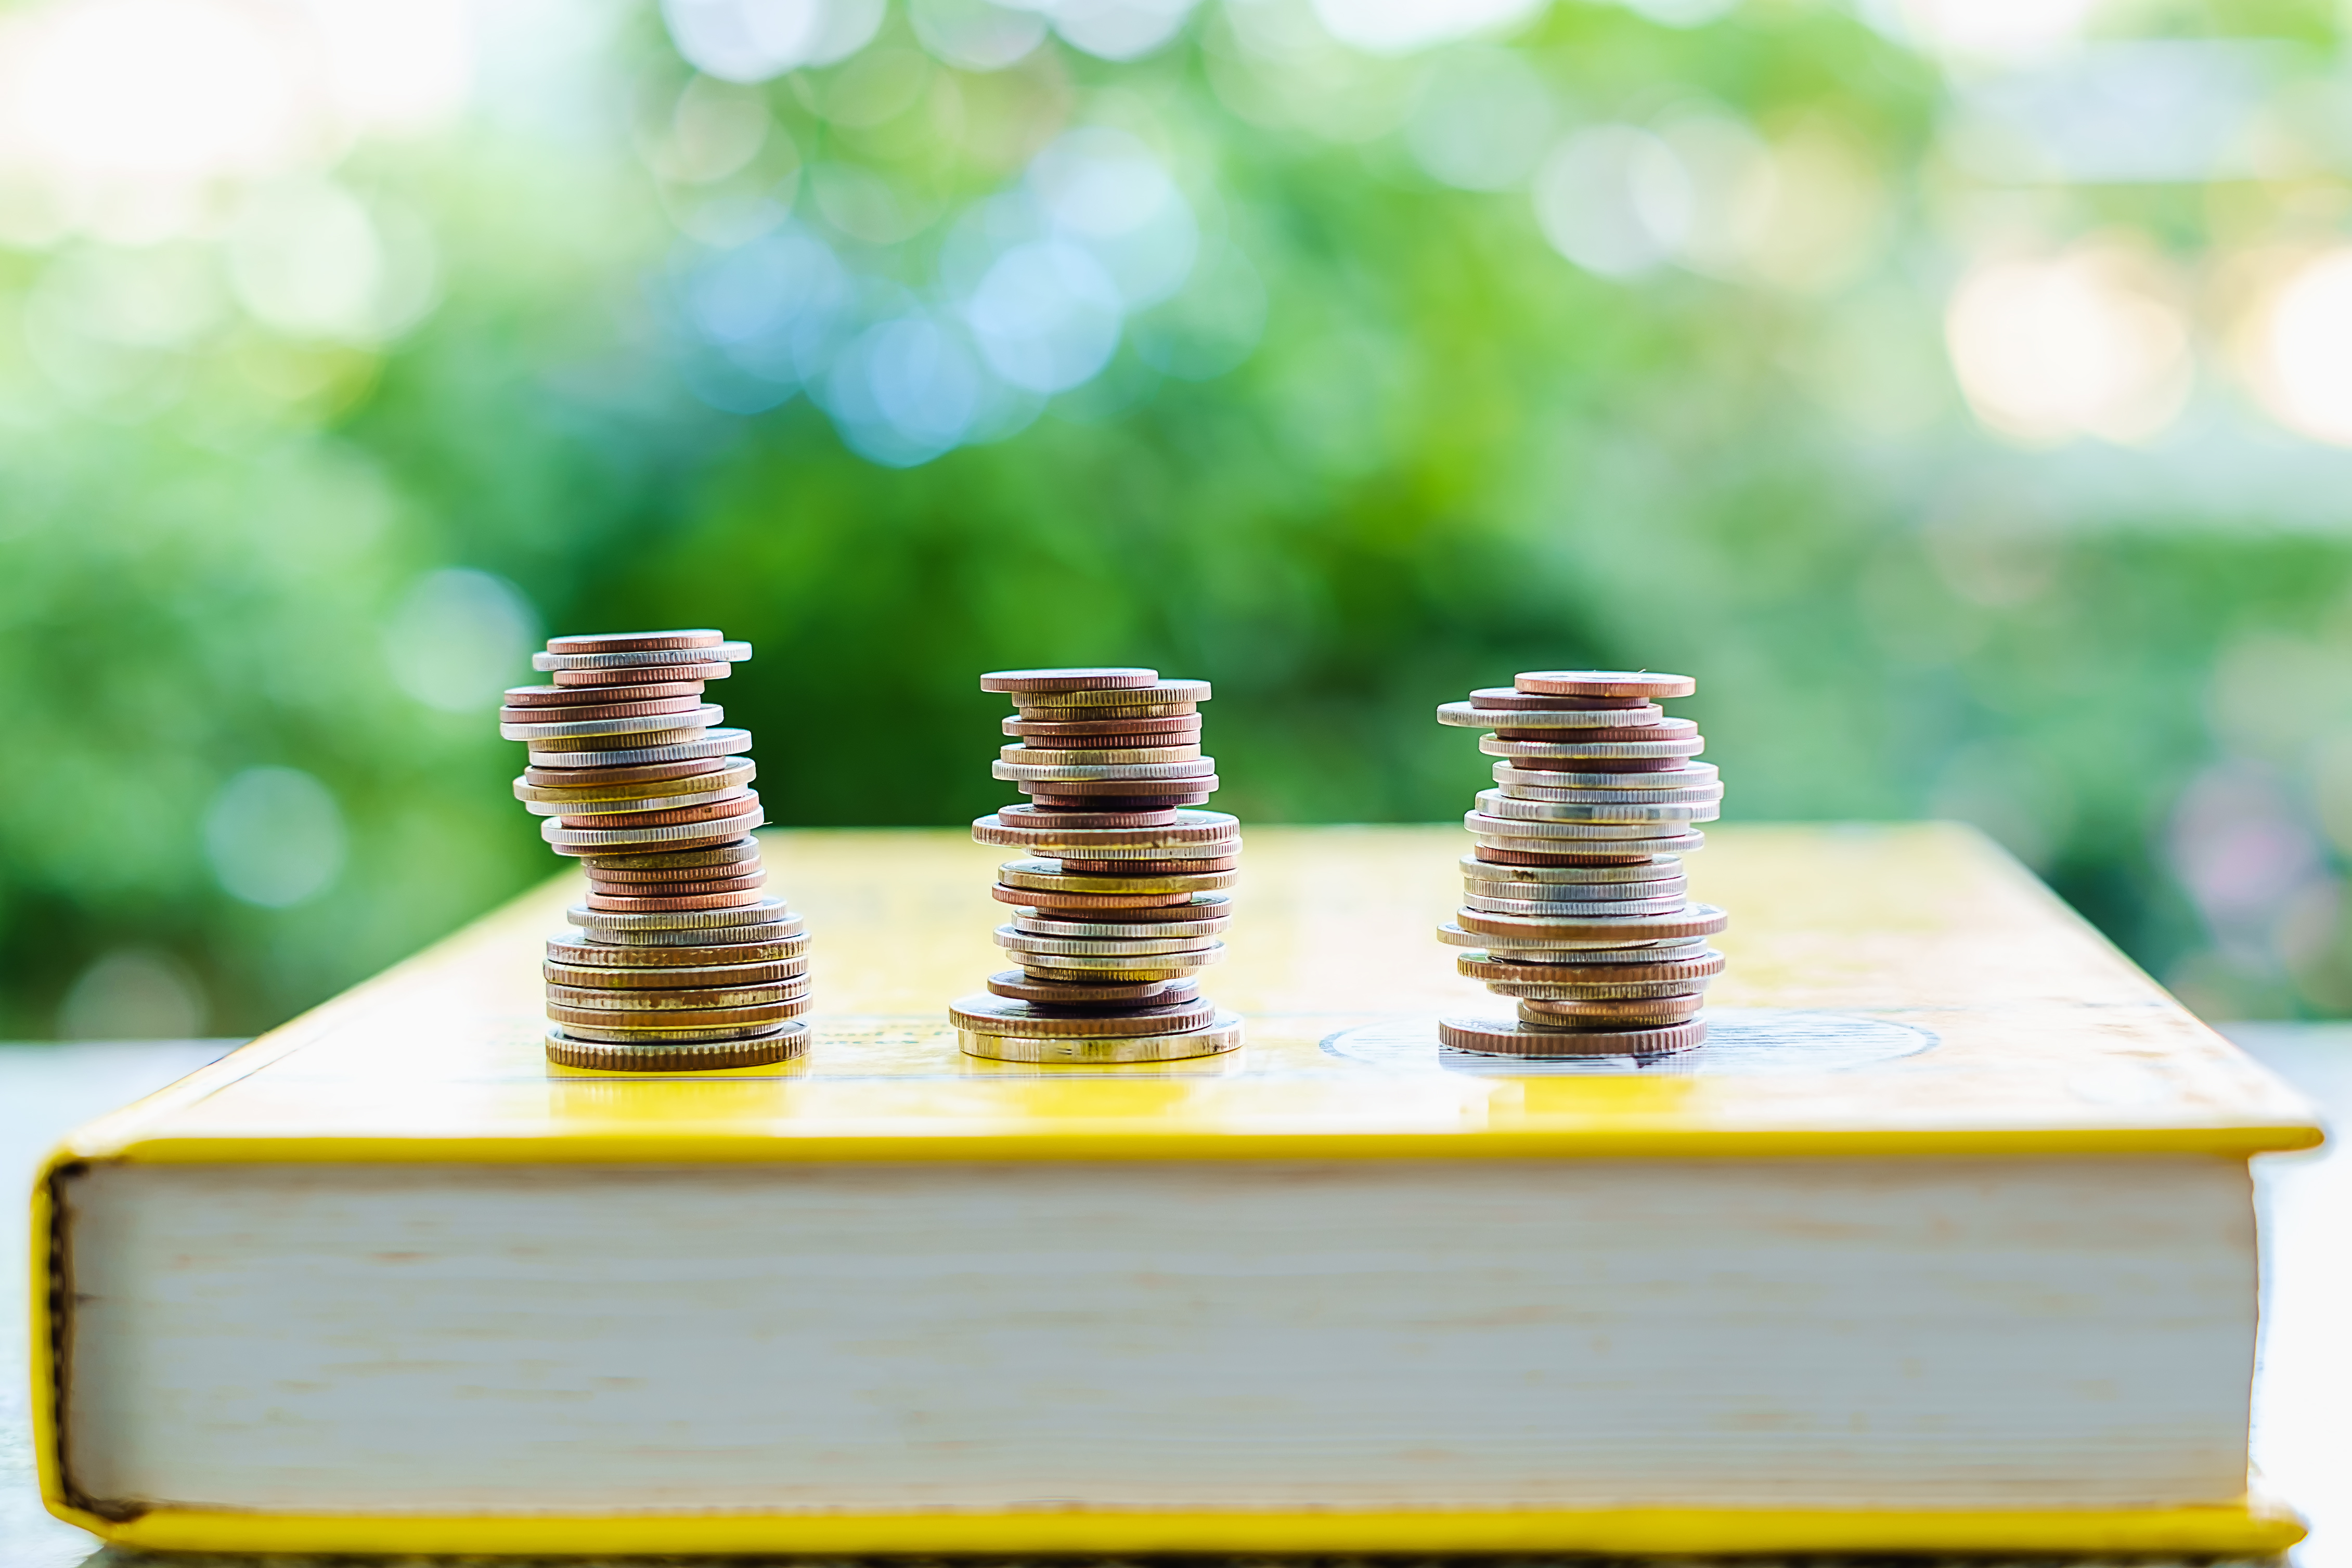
column 2303, row 1397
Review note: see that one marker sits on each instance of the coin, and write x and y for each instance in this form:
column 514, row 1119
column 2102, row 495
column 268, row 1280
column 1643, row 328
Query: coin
column 1615, row 1011
column 608, row 998
column 635, row 641
column 1511, row 698
column 1037, row 816
column 1016, row 985
column 716, row 653
column 1575, row 892
column 674, row 1028
column 1093, row 970
column 1559, row 943
column 626, row 676
column 1152, row 805
column 617, row 903
column 685, row 715
column 568, row 697
column 1464, row 716
column 1597, row 931
column 700, row 744
column 1122, row 714
column 1647, row 683
column 1653, row 869
column 1192, row 830
column 734, row 851
column 678, row 835
column 1143, row 694
column 1207, row 916
column 1675, row 774
column 1013, row 939
column 647, row 811
column 1085, row 789
column 1000, row 1015
column 1545, row 852
column 701, row 950
column 1593, row 963
column 1047, row 729
column 744, row 934
column 1030, row 898
column 597, row 746
column 1053, row 875
column 1033, row 955
column 627, row 783
column 1223, row 1035
column 1573, row 990
column 726, row 803
column 1697, row 795
column 1662, row 733
column 1516, row 1039
column 1140, row 864
column 1677, row 966
column 781, row 1044
column 760, row 912
column 1494, row 804
column 1111, row 677
column 1487, row 824
column 1482, row 904
column 687, row 977
column 1077, row 773
column 1019, row 753
column 584, row 712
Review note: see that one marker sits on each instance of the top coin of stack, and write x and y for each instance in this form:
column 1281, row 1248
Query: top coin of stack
column 682, row 960
column 1117, row 903
column 1573, row 890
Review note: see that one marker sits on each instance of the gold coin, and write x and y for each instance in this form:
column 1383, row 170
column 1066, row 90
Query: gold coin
column 1031, row 898
column 714, row 776
column 1565, row 990
column 602, row 1023
column 1109, row 716
column 720, row 950
column 574, row 841
column 1020, row 753
column 998, row 1015
column 1107, row 678
column 1223, row 1035
column 612, row 998
column 577, row 713
column 1125, row 967
column 646, row 810
column 681, row 977
column 734, row 851
column 1068, row 704
column 732, row 935
column 1692, row 960
column 1517, row 1039
column 1650, row 683
column 1647, row 1012
column 1046, row 875
column 756, row 1050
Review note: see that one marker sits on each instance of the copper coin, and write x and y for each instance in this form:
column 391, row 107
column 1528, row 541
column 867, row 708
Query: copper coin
column 623, row 677
column 754, row 1050
column 1506, row 855
column 1088, row 866
column 1509, row 697
column 1140, row 694
column 621, row 901
column 675, row 887
column 1648, row 1012
column 1080, row 728
column 1650, row 683
column 717, row 950
column 582, row 712
column 653, row 879
column 634, row 642
column 1056, row 876
column 734, row 851
column 1109, row 715
column 1106, row 677
column 676, row 977
column 1516, row 1039
column 652, row 772
column 1030, row 898
column 1138, row 805
column 571, row 696
column 734, row 804
column 599, row 1025
column 1593, row 931
column 1002, row 1015
column 1020, row 987
column 1035, row 815
column 674, row 1000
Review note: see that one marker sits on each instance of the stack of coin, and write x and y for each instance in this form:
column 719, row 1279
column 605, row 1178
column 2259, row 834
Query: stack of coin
column 1117, row 905
column 681, row 961
column 1573, row 891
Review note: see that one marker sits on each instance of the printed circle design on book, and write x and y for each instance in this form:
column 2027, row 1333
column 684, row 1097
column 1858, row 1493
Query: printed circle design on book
column 1741, row 1042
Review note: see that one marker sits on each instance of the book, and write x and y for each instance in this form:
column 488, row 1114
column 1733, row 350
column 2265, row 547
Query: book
column 1943, row 1242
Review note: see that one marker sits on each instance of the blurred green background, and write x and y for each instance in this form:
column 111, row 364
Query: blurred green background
column 1960, row 388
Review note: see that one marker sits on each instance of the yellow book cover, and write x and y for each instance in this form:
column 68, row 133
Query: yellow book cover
column 1942, row 1242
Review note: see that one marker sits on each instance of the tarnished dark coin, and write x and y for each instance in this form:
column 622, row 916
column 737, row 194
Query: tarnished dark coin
column 781, row 1044
column 1017, row 986
column 1649, row 683
column 1107, row 678
column 1516, row 1039
column 626, row 676
column 635, row 641
column 1002, row 1015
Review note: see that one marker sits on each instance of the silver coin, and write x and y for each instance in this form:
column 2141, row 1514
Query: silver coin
column 1041, row 757
column 1494, row 803
column 1196, row 835
column 1705, row 795
column 1156, row 694
column 1123, row 966
column 1217, row 1037
column 702, row 717
column 1595, row 930
column 562, row 837
column 1566, row 991
column 679, row 977
column 725, row 652
column 1040, row 875
column 1575, row 892
column 1490, row 825
column 1462, row 716
column 708, row 743
column 1017, row 941
column 700, row 935
column 1479, row 903
column 1552, row 949
column 1212, row 918
column 768, row 911
column 1673, row 843
column 1657, row 868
